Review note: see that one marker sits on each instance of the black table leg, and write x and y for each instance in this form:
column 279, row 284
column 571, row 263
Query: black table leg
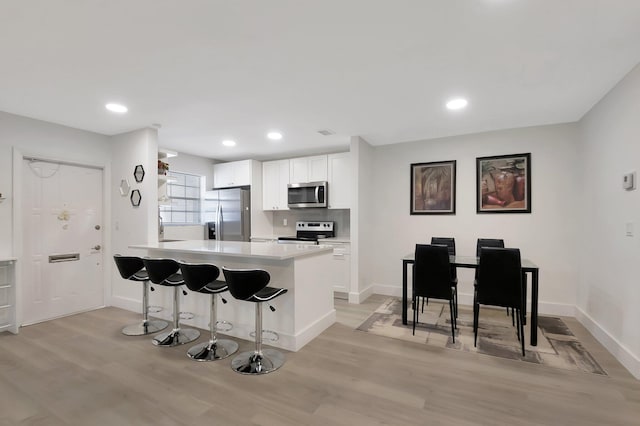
column 404, row 290
column 534, row 307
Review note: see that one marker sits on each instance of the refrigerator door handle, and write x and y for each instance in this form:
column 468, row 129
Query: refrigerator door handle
column 219, row 222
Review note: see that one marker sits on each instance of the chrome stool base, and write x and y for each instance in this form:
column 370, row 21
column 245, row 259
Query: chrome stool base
column 211, row 351
column 142, row 328
column 254, row 363
column 176, row 337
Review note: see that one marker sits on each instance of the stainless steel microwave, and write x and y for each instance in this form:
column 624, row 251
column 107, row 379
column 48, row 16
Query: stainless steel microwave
column 305, row 195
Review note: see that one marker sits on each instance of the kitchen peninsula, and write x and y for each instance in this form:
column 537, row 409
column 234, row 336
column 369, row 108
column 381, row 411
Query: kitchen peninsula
column 304, row 312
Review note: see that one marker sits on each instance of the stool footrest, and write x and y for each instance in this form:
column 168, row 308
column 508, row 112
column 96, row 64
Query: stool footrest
column 153, row 309
column 226, row 326
column 186, row 315
column 272, row 336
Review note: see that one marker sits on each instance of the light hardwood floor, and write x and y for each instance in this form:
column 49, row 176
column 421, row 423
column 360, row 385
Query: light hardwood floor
column 80, row 370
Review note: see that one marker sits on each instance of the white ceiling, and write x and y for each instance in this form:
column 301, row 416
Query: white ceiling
column 382, row 69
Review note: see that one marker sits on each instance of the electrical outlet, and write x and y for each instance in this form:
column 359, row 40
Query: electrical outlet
column 284, row 222
column 629, row 229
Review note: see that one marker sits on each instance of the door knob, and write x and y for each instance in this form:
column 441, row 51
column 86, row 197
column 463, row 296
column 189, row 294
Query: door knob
column 97, row 247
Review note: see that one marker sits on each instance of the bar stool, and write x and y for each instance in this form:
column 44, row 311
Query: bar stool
column 202, row 278
column 251, row 285
column 165, row 272
column 132, row 268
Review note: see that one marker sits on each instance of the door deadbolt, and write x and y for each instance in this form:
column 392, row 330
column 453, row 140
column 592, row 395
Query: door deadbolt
column 97, row 247
column 97, row 227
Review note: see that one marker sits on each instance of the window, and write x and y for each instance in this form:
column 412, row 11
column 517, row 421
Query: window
column 184, row 192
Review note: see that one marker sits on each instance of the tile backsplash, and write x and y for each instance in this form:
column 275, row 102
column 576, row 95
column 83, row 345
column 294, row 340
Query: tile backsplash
column 341, row 218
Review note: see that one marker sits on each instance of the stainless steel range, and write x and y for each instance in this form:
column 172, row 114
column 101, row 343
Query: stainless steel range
column 309, row 233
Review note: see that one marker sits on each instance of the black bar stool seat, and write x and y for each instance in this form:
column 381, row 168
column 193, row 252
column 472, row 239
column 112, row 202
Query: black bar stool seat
column 202, row 278
column 132, row 268
column 165, row 272
column 251, row 285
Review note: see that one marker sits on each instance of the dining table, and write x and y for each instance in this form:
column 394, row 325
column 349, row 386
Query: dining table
column 472, row 262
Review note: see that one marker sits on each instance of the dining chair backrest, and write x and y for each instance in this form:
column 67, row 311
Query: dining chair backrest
column 432, row 275
column 244, row 283
column 196, row 276
column 488, row 242
column 500, row 277
column 445, row 241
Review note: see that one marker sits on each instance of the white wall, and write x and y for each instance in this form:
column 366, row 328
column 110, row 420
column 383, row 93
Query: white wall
column 35, row 137
column 547, row 236
column 132, row 225
column 609, row 289
column 192, row 164
column 363, row 226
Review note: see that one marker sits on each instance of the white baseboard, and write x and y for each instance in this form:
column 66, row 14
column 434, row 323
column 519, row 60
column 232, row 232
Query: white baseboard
column 313, row 330
column 359, row 297
column 126, row 303
column 630, row 361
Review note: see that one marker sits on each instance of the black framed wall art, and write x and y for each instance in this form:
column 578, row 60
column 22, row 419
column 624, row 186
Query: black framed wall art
column 503, row 184
column 433, row 188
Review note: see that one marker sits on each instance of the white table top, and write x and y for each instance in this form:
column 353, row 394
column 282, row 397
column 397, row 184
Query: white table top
column 237, row 249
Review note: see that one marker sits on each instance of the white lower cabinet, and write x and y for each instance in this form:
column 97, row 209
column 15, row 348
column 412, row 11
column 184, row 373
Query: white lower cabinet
column 340, row 274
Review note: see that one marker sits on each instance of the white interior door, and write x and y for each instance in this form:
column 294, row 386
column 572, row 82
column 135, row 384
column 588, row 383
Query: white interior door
column 62, row 268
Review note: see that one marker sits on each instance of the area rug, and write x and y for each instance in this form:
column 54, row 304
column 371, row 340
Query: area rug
column 557, row 346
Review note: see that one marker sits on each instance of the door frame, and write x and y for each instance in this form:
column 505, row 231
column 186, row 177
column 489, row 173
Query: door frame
column 18, row 238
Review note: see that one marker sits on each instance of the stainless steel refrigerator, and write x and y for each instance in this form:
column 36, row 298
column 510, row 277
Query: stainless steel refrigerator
column 227, row 213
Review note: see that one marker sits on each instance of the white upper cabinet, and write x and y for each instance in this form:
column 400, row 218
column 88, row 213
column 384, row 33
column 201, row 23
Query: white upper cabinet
column 234, row 173
column 308, row 169
column 275, row 177
column 340, row 180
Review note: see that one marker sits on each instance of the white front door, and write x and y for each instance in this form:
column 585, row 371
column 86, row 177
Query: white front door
column 62, row 268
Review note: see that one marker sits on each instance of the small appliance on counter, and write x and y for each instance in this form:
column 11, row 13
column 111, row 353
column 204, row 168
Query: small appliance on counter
column 309, row 233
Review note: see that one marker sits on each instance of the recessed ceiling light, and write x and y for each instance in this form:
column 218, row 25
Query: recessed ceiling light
column 229, row 142
column 117, row 108
column 457, row 103
column 274, row 136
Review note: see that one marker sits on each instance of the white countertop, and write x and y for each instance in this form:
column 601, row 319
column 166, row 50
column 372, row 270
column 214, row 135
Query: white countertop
column 237, row 249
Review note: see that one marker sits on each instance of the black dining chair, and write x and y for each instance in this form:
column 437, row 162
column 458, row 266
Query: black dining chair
column 451, row 247
column 499, row 284
column 487, row 242
column 432, row 278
